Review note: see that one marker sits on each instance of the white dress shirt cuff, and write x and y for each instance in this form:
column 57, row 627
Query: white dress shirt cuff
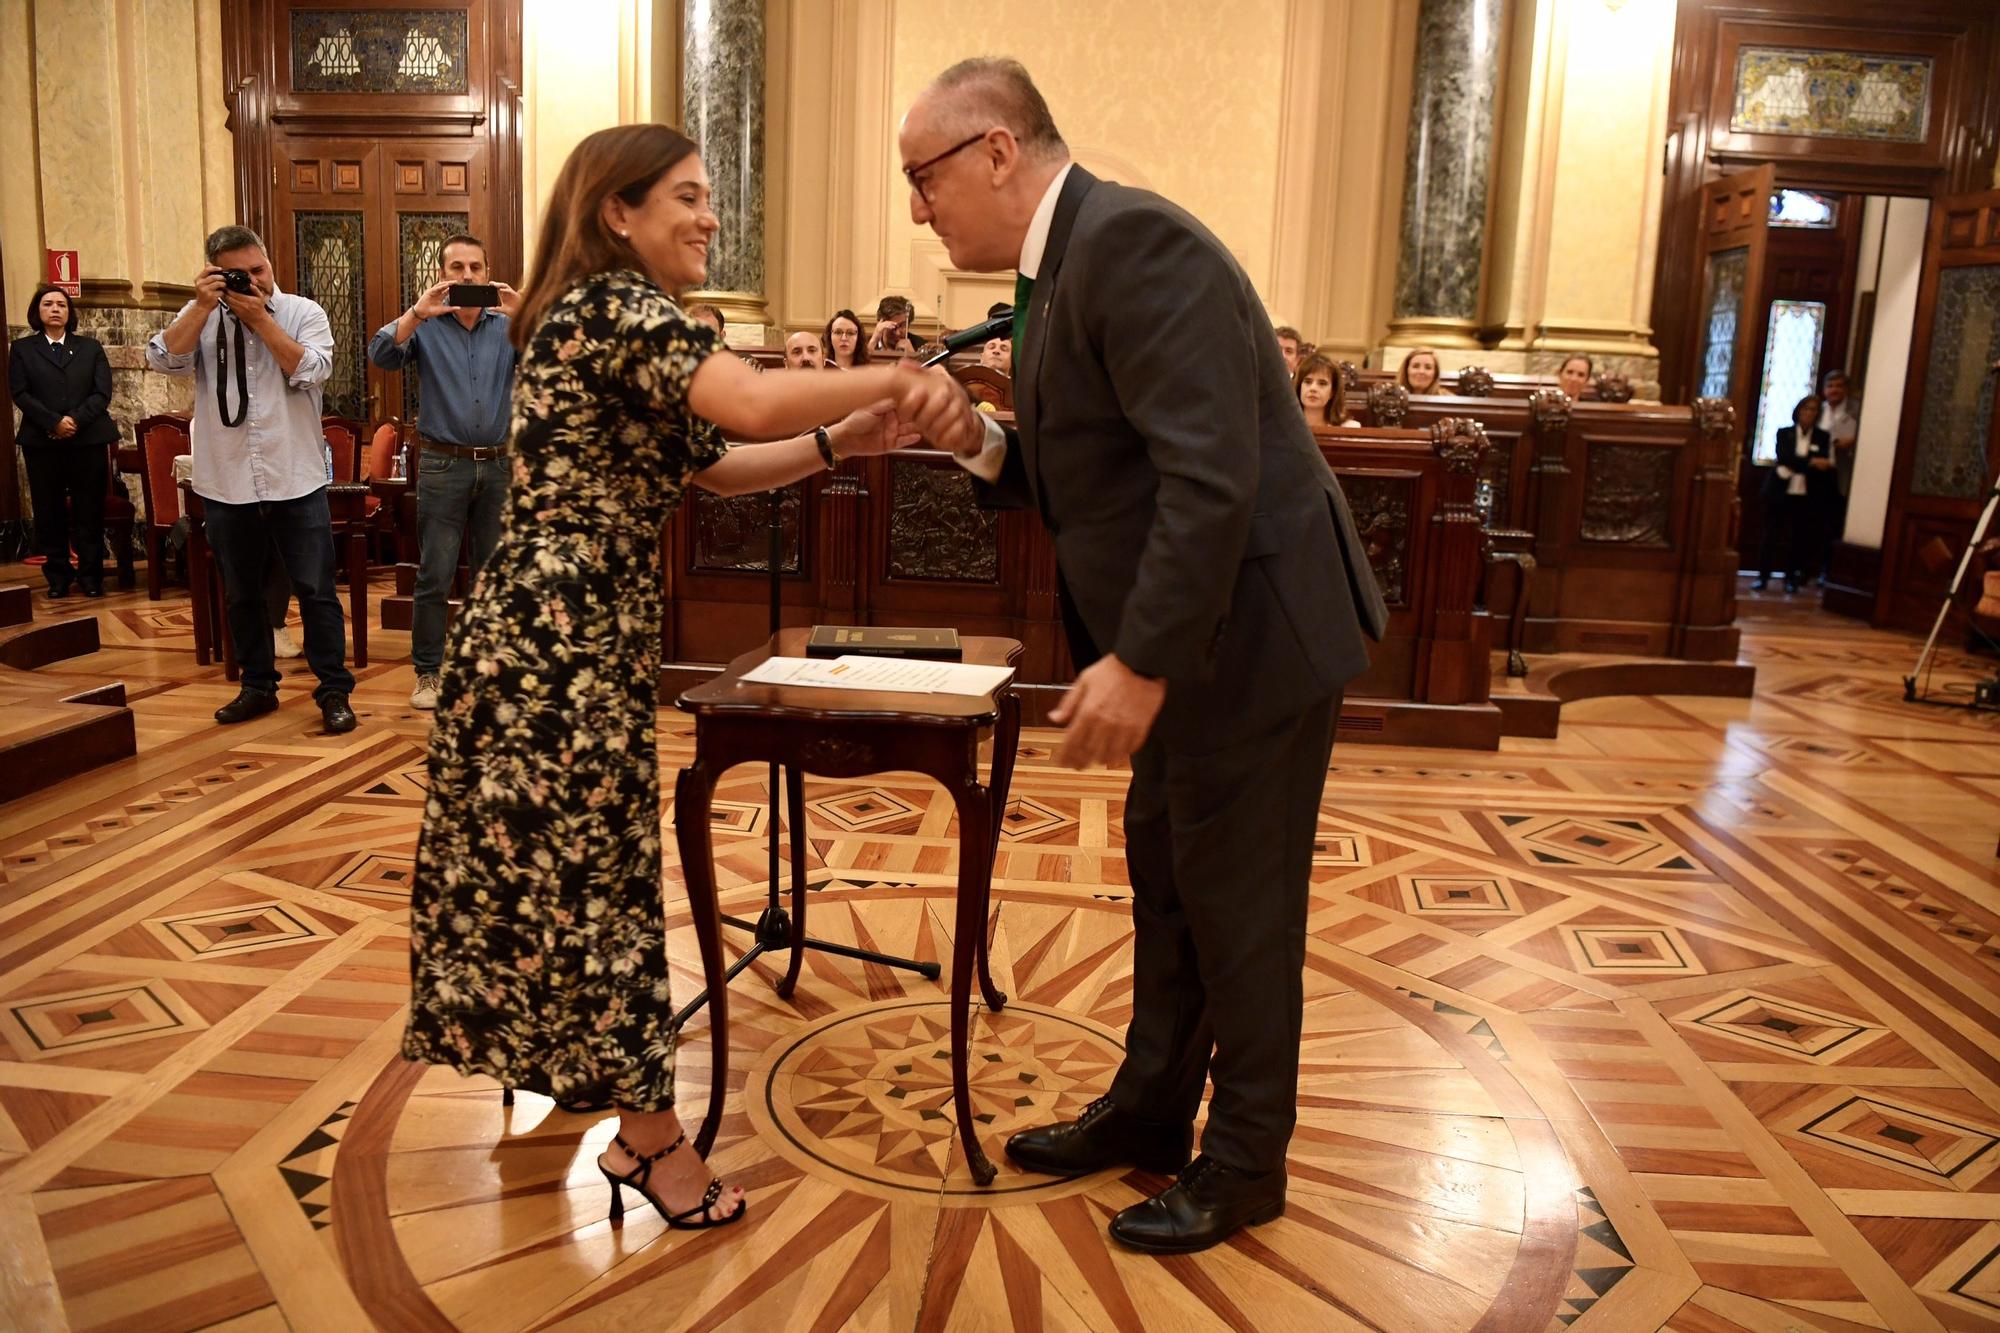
column 985, row 464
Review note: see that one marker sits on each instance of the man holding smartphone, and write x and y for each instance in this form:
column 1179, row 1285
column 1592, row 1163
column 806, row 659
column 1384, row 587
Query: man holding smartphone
column 465, row 388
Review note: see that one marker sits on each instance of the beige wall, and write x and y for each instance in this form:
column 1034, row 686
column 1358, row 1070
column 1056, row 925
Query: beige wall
column 112, row 143
column 1575, row 210
column 1267, row 119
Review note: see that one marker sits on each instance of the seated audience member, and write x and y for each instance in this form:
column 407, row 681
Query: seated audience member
column 61, row 381
column 802, row 351
column 1795, row 497
column 842, row 343
column 1321, row 392
column 892, row 336
column 998, row 354
column 1419, row 373
column 1574, row 375
column 1292, row 345
column 701, row 312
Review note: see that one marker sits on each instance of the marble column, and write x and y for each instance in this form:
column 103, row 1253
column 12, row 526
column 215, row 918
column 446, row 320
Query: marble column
column 1448, row 167
column 722, row 106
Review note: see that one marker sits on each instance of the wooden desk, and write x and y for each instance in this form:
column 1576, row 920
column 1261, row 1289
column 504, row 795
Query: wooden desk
column 845, row 734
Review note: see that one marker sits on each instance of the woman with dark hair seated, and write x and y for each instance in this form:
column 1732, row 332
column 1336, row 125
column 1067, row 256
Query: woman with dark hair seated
column 1322, row 393
column 1795, row 495
column 845, row 347
column 1419, row 372
column 1575, row 375
column 61, row 381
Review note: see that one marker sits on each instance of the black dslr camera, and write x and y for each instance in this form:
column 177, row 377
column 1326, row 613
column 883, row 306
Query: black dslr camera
column 237, row 280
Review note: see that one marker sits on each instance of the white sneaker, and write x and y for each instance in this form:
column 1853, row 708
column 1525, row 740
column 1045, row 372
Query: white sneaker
column 425, row 696
column 282, row 645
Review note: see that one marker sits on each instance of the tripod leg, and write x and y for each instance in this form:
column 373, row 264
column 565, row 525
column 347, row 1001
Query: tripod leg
column 692, row 794
column 795, row 814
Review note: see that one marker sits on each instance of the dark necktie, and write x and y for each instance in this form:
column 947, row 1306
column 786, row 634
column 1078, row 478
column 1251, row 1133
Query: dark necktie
column 58, row 353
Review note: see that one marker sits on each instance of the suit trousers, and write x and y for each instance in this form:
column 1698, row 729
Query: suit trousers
column 1219, row 847
column 242, row 536
column 67, row 484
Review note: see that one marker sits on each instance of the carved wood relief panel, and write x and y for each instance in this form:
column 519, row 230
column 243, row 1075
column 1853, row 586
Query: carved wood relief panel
column 1381, row 505
column 1628, row 494
column 937, row 529
column 732, row 534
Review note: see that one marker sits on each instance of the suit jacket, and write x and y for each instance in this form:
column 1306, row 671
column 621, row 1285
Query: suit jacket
column 1821, row 483
column 75, row 383
column 1200, row 535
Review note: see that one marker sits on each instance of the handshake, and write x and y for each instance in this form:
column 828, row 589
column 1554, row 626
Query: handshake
column 923, row 405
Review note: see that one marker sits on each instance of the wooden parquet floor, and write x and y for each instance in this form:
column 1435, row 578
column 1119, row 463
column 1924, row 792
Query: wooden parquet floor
column 1684, row 1020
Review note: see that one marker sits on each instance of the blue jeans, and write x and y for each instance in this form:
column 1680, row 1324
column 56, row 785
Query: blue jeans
column 301, row 531
column 459, row 503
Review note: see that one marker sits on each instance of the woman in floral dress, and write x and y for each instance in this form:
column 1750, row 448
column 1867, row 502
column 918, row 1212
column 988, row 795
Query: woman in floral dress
column 538, row 951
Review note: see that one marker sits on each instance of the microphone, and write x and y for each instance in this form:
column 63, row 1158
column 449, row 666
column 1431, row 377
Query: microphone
column 972, row 337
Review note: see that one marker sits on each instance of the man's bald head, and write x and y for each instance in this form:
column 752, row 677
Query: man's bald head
column 976, row 95
column 803, row 352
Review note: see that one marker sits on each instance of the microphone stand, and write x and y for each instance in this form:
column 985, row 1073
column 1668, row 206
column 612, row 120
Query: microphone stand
column 771, row 932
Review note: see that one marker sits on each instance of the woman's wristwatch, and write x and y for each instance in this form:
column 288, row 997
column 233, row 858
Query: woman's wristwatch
column 825, row 443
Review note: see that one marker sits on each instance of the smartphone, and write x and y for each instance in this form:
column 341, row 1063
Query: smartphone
column 473, row 294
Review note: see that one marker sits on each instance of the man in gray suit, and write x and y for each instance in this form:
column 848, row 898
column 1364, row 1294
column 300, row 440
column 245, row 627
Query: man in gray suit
column 1216, row 598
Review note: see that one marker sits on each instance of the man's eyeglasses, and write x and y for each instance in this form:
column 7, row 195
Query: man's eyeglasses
column 914, row 174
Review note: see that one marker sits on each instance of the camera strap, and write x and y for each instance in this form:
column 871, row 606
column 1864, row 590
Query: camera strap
column 222, row 372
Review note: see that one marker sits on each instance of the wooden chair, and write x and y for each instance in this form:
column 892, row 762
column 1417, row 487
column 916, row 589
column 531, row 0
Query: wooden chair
column 162, row 439
column 343, row 439
column 119, row 516
column 986, row 385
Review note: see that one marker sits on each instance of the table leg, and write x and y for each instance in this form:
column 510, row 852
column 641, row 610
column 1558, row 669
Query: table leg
column 692, row 794
column 975, row 875
column 198, row 592
column 357, row 593
column 795, row 815
column 1006, row 742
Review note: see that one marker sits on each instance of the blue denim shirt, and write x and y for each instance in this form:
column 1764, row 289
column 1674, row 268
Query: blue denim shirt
column 465, row 377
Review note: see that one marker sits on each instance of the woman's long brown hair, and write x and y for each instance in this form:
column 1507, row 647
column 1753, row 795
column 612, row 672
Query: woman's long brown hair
column 1335, row 410
column 625, row 160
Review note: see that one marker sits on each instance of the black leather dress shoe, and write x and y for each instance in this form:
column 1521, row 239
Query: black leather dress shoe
column 58, row 587
column 246, row 705
column 339, row 717
column 1103, row 1136
column 92, row 587
column 1206, row 1206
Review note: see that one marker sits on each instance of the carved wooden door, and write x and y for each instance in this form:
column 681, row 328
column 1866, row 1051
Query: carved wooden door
column 1949, row 441
column 1730, row 275
column 365, row 136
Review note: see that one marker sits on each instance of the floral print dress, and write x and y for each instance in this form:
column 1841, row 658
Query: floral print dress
column 537, row 936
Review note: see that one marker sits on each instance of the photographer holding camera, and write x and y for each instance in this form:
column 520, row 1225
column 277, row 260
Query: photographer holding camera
column 260, row 359
column 465, row 381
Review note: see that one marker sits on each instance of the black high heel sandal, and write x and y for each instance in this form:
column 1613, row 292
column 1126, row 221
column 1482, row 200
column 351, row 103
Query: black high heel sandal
column 644, row 1171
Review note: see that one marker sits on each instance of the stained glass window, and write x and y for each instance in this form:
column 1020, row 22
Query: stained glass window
column 1805, row 208
column 1791, row 368
column 1832, row 94
column 1726, row 271
column 330, row 253
column 419, row 261
column 378, row 51
column 1957, row 413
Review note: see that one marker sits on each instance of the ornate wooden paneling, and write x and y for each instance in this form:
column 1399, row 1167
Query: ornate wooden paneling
column 937, row 529
column 332, row 270
column 1382, row 502
column 1628, row 494
column 732, row 532
column 379, row 50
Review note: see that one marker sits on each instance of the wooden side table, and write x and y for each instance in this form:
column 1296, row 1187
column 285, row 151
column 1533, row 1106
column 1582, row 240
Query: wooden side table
column 845, row 734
